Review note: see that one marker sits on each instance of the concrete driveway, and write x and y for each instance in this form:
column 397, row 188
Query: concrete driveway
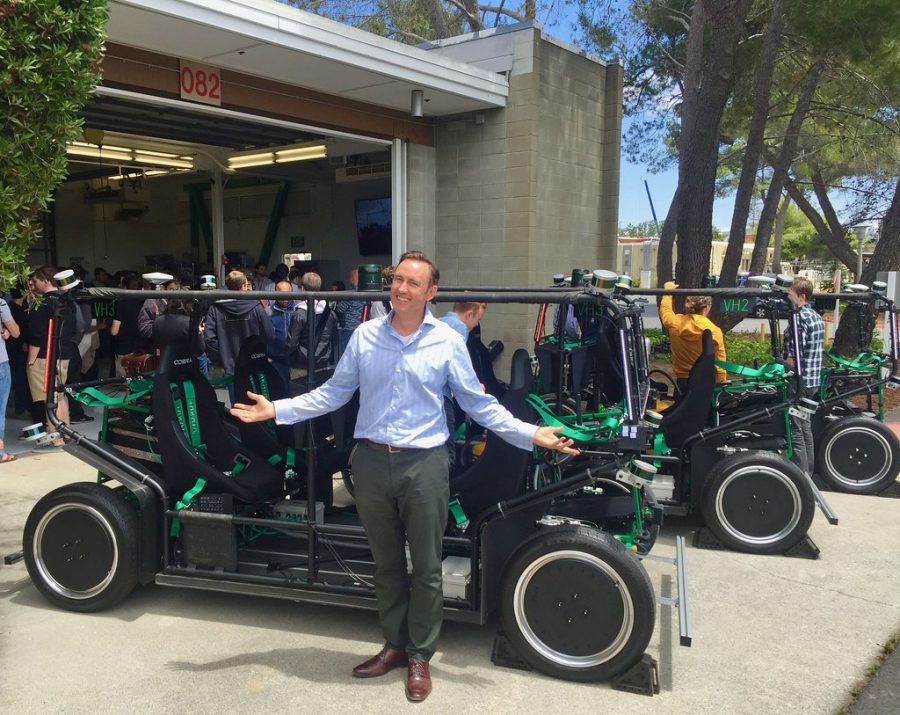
column 771, row 635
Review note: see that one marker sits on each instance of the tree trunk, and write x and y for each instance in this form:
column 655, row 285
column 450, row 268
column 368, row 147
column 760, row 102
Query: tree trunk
column 783, row 163
column 528, row 9
column 437, row 18
column 762, row 90
column 667, row 241
column 699, row 146
column 691, row 81
column 886, row 257
column 779, row 234
column 835, row 240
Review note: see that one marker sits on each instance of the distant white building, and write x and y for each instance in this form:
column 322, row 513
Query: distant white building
column 636, row 257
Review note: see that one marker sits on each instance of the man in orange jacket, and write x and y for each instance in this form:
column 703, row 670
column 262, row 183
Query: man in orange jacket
column 686, row 332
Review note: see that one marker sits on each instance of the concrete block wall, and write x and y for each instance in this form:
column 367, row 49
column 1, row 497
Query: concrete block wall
column 421, row 188
column 530, row 190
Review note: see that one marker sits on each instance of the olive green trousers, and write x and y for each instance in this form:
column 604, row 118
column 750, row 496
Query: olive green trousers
column 402, row 498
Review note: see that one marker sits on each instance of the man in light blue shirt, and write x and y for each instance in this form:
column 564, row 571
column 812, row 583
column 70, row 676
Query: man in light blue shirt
column 401, row 364
column 463, row 318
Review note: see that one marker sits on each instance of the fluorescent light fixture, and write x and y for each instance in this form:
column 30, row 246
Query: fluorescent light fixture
column 98, row 153
column 181, row 162
column 128, row 174
column 278, row 155
column 256, row 159
column 301, row 154
column 104, row 147
column 162, row 159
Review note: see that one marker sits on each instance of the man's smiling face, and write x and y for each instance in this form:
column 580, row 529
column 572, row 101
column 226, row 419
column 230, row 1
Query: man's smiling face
column 411, row 288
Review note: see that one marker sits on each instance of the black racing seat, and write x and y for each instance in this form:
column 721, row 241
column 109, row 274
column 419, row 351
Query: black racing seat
column 500, row 472
column 278, row 443
column 254, row 373
column 193, row 443
column 691, row 414
column 483, row 357
column 609, row 377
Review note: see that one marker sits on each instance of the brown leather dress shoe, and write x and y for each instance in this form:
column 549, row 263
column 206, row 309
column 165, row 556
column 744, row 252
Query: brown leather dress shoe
column 388, row 659
column 418, row 681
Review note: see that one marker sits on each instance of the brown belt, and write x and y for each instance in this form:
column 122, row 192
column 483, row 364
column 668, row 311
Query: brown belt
column 387, row 447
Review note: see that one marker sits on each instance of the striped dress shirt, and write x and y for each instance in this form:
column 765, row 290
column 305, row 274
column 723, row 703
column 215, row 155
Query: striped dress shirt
column 401, row 383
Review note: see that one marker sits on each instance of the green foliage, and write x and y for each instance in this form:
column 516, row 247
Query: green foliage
column 50, row 54
column 741, row 348
column 659, row 342
column 747, row 349
column 799, row 239
column 642, row 228
column 414, row 21
column 876, row 344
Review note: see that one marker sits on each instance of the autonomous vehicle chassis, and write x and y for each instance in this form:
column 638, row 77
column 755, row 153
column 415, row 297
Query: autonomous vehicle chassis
column 225, row 515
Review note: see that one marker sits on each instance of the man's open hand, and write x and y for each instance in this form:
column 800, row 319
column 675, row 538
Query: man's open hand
column 549, row 438
column 260, row 411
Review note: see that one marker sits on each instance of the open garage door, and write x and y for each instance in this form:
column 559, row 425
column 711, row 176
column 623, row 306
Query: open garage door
column 157, row 184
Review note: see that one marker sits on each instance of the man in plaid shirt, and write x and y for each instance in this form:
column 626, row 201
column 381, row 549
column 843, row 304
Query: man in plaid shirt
column 811, row 342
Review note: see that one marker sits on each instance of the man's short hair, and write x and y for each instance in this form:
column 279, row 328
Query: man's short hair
column 419, row 256
column 803, row 286
column 281, row 271
column 288, row 287
column 311, row 281
column 696, row 303
column 235, row 280
column 466, row 307
column 45, row 273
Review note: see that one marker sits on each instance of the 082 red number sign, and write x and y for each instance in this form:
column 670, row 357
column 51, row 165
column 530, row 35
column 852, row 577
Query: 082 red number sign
column 201, row 83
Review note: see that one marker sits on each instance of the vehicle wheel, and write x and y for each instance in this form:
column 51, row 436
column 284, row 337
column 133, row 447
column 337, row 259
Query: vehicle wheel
column 81, row 547
column 569, row 405
column 858, row 454
column 758, row 502
column 577, row 605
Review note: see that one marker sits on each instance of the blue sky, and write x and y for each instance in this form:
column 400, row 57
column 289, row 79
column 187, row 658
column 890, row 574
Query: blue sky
column 634, row 206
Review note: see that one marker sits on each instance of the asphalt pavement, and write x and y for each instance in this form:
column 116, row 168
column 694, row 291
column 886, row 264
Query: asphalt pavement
column 771, row 635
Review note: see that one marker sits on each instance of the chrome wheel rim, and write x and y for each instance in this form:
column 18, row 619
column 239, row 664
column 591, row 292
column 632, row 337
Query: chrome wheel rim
column 40, row 559
column 736, row 533
column 547, row 651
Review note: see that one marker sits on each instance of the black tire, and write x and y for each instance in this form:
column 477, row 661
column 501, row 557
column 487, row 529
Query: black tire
column 576, row 605
column 758, row 502
column 543, row 472
column 81, row 547
column 569, row 405
column 859, row 455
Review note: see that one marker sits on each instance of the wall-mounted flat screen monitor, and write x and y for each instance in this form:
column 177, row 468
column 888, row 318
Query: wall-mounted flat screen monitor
column 373, row 226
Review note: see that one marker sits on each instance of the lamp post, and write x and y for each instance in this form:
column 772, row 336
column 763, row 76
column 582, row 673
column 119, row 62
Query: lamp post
column 862, row 231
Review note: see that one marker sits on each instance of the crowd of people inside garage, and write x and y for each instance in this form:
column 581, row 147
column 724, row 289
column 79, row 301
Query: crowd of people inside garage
column 104, row 336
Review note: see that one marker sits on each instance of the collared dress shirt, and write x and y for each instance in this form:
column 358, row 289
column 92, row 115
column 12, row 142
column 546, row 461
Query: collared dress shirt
column 812, row 341
column 401, row 382
column 455, row 322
